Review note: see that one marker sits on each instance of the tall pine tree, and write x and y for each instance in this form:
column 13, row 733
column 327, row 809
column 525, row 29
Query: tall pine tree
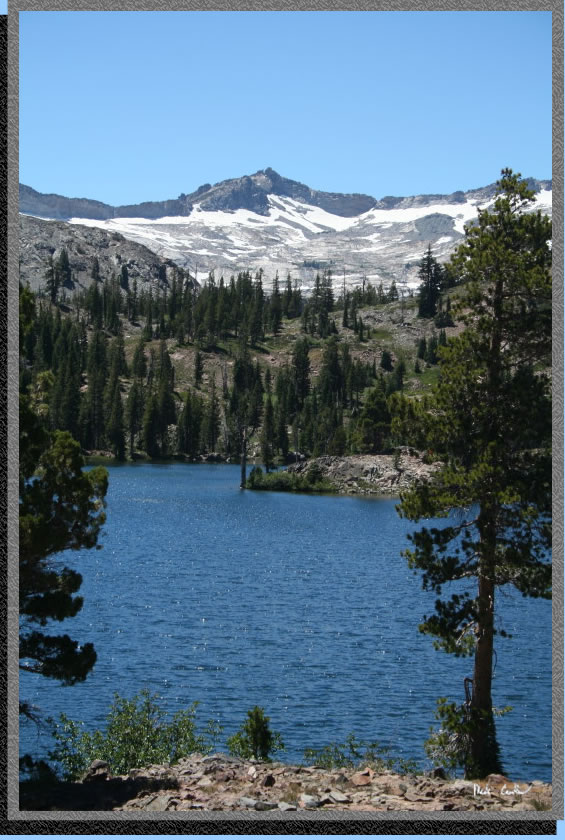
column 490, row 417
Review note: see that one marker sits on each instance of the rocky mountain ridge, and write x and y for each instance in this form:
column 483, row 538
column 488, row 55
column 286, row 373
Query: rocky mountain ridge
column 270, row 222
column 248, row 192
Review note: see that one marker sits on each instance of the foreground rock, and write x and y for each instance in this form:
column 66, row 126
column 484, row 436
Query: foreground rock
column 222, row 783
column 378, row 475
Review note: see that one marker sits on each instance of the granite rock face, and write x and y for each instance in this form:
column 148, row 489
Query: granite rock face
column 41, row 239
column 371, row 475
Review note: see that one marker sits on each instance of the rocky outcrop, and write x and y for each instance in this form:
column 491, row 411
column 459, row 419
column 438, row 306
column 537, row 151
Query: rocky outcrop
column 41, row 239
column 222, row 783
column 370, row 475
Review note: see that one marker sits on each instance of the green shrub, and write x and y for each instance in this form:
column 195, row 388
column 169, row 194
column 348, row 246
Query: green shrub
column 137, row 734
column 312, row 481
column 354, row 753
column 255, row 739
column 450, row 744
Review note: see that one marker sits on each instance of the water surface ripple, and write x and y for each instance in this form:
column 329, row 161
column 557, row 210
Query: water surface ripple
column 301, row 604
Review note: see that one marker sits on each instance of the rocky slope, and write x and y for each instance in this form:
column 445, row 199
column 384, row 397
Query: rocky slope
column 223, row 783
column 41, row 239
column 371, row 475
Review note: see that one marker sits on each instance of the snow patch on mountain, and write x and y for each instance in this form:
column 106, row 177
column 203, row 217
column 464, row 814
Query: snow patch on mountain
column 383, row 243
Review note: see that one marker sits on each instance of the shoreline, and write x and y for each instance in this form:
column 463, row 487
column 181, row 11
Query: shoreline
column 221, row 782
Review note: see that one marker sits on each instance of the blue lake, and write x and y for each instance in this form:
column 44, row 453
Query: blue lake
column 300, row 604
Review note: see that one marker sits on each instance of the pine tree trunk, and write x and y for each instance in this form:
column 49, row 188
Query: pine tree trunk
column 483, row 755
column 243, row 458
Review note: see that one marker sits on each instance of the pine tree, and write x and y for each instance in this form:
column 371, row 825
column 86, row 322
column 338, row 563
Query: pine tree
column 189, row 426
column 134, row 413
column 275, row 307
column 92, row 413
column 386, row 360
column 63, row 270
column 95, row 306
column 267, row 435
column 345, row 318
column 244, row 405
column 490, row 417
column 139, row 363
column 431, row 356
column 301, row 371
column 331, row 382
column 115, row 425
column 124, row 277
column 198, row 369
column 51, row 280
column 422, row 347
column 431, row 278
column 95, row 271
column 61, row 508
column 151, row 426
column 212, row 419
column 392, row 293
column 281, row 431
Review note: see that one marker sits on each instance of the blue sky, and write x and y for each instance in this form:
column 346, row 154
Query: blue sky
column 131, row 106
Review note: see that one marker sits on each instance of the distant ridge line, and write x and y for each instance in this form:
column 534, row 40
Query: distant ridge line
column 248, row 192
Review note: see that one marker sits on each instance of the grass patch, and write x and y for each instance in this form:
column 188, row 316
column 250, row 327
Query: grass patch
column 540, row 806
column 426, row 379
column 380, row 334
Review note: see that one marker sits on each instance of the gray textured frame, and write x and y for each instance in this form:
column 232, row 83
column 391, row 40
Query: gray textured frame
column 271, row 823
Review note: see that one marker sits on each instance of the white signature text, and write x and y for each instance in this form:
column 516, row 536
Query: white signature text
column 504, row 791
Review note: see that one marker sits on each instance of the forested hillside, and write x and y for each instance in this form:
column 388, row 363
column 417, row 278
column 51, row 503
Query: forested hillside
column 181, row 371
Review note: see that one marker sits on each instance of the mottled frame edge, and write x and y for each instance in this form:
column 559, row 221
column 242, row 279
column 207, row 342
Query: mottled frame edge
column 16, row 822
column 3, row 384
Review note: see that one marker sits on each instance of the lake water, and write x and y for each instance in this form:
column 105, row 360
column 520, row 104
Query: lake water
column 300, row 604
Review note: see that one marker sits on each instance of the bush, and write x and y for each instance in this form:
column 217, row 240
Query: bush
column 354, row 753
column 312, row 481
column 450, row 744
column 255, row 739
column 137, row 734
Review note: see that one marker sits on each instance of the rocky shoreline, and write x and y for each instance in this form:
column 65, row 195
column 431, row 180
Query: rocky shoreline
column 223, row 783
column 371, row 475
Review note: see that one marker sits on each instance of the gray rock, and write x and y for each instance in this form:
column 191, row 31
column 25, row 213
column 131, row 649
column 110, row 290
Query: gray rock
column 158, row 803
column 286, row 806
column 98, row 764
column 339, row 797
column 265, row 806
column 98, row 771
column 247, row 802
column 305, row 800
